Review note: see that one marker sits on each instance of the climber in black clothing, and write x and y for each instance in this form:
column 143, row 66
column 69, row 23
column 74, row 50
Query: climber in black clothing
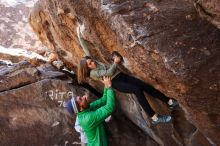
column 89, row 68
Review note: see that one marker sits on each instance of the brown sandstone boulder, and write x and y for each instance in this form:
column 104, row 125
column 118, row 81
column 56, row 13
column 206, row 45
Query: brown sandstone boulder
column 209, row 10
column 32, row 110
column 165, row 43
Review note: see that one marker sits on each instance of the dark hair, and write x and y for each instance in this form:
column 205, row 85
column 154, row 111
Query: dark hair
column 87, row 57
column 116, row 53
column 83, row 70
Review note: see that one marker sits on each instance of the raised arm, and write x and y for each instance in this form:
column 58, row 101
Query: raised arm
column 84, row 46
column 83, row 42
column 99, row 115
column 100, row 102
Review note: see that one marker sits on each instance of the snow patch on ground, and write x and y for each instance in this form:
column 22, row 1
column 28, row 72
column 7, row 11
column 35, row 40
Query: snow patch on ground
column 14, row 3
column 15, row 31
column 2, row 27
column 6, row 62
column 20, row 52
column 6, row 19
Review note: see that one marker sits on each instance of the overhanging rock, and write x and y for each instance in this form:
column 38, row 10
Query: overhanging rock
column 165, row 43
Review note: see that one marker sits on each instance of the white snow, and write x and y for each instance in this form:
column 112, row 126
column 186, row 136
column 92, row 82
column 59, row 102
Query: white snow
column 11, row 3
column 6, row 19
column 2, row 27
column 17, row 33
column 20, row 52
column 14, row 3
column 7, row 62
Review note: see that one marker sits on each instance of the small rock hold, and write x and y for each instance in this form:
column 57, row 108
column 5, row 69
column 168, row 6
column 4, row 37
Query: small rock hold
column 189, row 17
column 193, row 48
column 55, row 124
column 60, row 11
column 206, row 51
column 178, row 43
column 58, row 64
column 213, row 87
column 66, row 142
column 152, row 7
column 70, row 15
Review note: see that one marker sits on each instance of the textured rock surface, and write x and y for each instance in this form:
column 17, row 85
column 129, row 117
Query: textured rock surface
column 32, row 110
column 17, row 40
column 165, row 43
column 210, row 10
column 15, row 32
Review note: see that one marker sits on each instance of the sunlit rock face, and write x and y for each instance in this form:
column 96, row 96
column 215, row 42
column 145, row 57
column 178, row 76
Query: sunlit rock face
column 15, row 31
column 209, row 10
column 165, row 43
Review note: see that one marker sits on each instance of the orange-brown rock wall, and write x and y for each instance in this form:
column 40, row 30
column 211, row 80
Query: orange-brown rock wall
column 165, row 43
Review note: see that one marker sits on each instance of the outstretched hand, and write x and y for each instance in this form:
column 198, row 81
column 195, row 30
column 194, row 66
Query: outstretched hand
column 107, row 81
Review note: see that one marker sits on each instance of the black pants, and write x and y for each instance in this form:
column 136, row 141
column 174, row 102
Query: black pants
column 128, row 84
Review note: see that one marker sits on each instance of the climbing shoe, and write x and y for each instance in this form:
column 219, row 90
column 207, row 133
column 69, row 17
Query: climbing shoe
column 174, row 105
column 162, row 119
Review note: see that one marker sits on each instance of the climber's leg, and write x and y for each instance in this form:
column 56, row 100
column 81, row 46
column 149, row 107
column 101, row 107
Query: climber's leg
column 129, row 88
column 149, row 89
column 146, row 87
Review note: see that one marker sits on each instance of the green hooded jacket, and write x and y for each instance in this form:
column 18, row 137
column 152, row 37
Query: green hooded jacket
column 92, row 119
